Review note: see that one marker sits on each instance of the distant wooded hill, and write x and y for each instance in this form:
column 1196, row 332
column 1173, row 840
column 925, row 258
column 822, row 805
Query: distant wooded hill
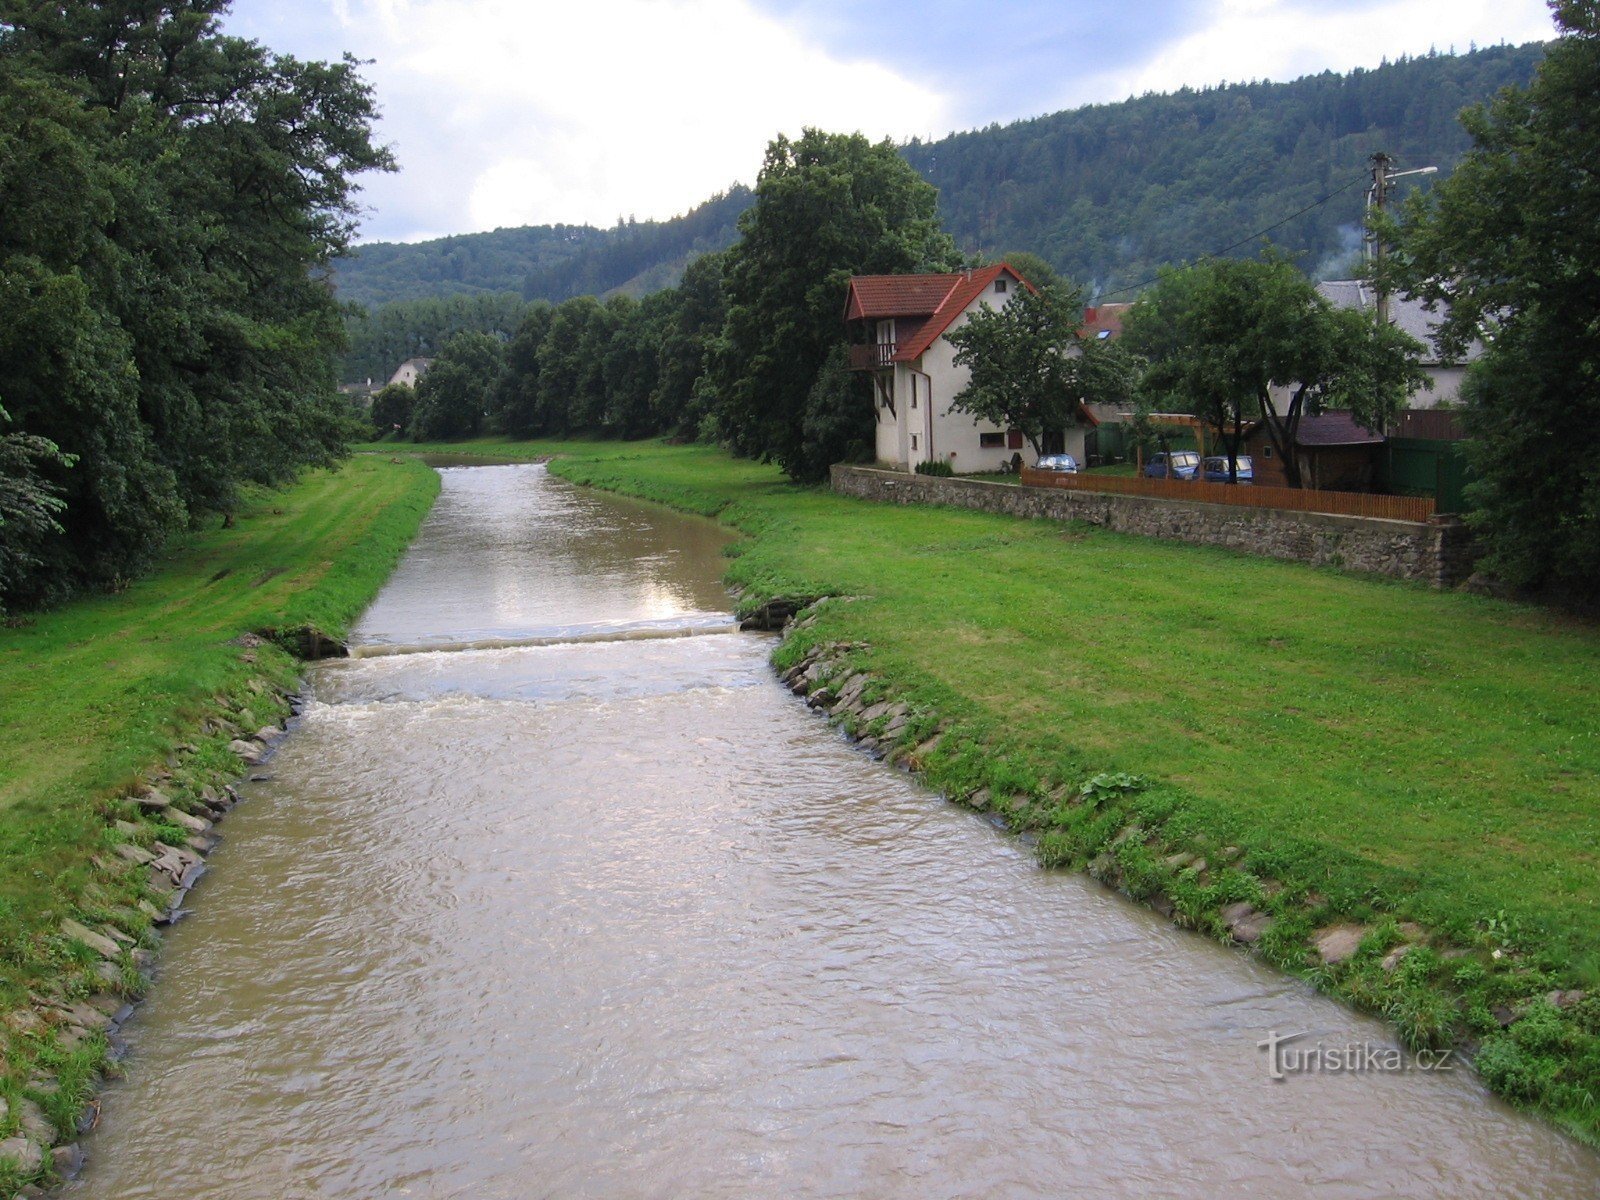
column 1106, row 193
column 543, row 262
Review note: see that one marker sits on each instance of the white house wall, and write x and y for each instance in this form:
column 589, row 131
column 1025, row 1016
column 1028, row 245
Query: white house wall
column 954, row 437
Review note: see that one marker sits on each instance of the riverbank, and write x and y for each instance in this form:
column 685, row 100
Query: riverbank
column 124, row 716
column 1387, row 791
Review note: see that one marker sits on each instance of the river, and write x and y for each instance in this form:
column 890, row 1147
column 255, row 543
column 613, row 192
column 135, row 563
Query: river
column 621, row 918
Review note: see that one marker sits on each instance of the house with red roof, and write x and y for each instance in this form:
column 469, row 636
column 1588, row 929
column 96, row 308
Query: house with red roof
column 897, row 325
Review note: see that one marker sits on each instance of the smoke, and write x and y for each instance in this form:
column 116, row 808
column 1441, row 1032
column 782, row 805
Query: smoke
column 1344, row 262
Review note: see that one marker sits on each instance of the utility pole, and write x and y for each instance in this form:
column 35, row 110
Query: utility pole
column 1377, row 196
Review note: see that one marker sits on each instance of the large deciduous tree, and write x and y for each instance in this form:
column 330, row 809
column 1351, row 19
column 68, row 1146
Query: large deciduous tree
column 173, row 200
column 1031, row 369
column 828, row 206
column 454, row 396
column 1509, row 246
column 1219, row 336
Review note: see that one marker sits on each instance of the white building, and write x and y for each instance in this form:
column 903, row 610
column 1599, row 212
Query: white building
column 1413, row 317
column 902, row 320
column 410, row 371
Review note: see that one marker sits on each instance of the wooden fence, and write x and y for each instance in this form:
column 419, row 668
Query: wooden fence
column 1346, row 504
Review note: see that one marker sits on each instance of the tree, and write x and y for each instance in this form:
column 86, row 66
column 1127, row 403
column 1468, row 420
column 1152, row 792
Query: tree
column 29, row 504
column 453, row 396
column 392, row 409
column 681, row 401
column 174, row 198
column 1220, row 335
column 571, row 371
column 828, row 206
column 1509, row 245
column 1030, row 370
column 516, row 401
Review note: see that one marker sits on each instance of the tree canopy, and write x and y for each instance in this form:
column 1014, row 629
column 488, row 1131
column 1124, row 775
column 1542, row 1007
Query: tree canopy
column 828, row 206
column 173, row 200
column 1221, row 336
column 1510, row 248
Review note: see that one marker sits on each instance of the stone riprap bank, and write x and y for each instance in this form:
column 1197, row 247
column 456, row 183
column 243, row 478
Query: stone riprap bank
column 1438, row 552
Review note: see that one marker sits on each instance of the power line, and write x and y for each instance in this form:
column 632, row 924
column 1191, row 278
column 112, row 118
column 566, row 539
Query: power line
column 1133, row 287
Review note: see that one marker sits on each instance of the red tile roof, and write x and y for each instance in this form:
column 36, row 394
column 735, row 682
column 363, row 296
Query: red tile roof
column 938, row 299
column 1104, row 318
column 968, row 287
column 883, row 296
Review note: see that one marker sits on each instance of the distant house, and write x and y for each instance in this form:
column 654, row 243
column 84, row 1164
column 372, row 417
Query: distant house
column 411, row 370
column 898, row 323
column 1334, row 452
column 1414, row 318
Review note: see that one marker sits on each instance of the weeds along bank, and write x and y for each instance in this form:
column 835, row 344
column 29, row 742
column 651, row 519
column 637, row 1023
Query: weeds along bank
column 1388, row 791
column 124, row 719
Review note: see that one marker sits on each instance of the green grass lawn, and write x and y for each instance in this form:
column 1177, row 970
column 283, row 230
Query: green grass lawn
column 1448, row 736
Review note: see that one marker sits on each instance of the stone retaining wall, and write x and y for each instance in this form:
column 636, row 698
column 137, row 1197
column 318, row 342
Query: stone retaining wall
column 1438, row 552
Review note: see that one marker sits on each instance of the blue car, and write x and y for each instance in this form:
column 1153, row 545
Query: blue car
column 1184, row 464
column 1217, row 469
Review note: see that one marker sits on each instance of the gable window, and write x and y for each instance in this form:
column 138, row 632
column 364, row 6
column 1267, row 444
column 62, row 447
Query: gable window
column 992, row 441
column 1000, row 284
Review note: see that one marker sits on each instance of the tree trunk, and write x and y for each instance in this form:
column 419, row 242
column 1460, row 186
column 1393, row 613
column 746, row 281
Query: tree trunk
column 1282, row 430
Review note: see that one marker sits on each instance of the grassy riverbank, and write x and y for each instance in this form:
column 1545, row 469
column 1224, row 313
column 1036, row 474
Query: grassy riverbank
column 1328, row 749
column 107, row 694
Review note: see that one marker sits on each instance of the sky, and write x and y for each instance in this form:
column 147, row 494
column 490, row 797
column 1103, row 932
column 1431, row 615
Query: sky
column 527, row 112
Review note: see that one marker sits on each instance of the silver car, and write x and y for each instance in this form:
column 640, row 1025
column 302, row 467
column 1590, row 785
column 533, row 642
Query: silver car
column 1058, row 462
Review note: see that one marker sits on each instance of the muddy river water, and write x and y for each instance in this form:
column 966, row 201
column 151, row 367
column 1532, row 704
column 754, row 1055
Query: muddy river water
column 612, row 915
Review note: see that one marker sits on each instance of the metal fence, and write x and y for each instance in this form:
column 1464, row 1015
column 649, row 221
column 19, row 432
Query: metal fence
column 1345, row 504
column 1427, row 467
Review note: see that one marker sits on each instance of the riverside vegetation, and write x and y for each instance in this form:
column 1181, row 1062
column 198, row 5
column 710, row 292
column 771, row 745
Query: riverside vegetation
column 1386, row 790
column 165, row 677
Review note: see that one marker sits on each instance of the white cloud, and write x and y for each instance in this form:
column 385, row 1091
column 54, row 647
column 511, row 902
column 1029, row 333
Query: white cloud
column 1272, row 39
column 507, row 113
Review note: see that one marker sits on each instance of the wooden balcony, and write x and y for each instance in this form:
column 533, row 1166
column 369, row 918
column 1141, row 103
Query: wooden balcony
column 872, row 357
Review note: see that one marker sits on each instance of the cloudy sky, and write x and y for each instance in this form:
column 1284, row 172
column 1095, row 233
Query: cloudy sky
column 527, row 112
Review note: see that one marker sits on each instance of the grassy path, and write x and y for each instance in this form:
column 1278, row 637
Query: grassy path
column 1382, row 752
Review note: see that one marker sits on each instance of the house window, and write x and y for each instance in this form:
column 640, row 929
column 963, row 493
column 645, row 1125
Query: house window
column 1014, row 439
column 1266, row 452
column 913, row 441
column 1000, row 284
column 992, row 441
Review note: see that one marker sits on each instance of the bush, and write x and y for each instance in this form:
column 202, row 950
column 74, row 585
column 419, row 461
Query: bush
column 941, row 469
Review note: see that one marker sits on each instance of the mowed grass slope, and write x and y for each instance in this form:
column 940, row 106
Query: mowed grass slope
column 1443, row 749
column 95, row 693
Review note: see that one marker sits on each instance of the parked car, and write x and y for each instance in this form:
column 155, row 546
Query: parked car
column 1185, row 464
column 1216, row 469
column 1058, row 462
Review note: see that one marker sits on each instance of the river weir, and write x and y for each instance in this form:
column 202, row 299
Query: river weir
column 555, row 891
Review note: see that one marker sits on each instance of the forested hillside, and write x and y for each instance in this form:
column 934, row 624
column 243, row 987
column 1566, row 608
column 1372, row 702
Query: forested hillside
column 1105, row 193
column 1110, row 192
column 543, row 262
